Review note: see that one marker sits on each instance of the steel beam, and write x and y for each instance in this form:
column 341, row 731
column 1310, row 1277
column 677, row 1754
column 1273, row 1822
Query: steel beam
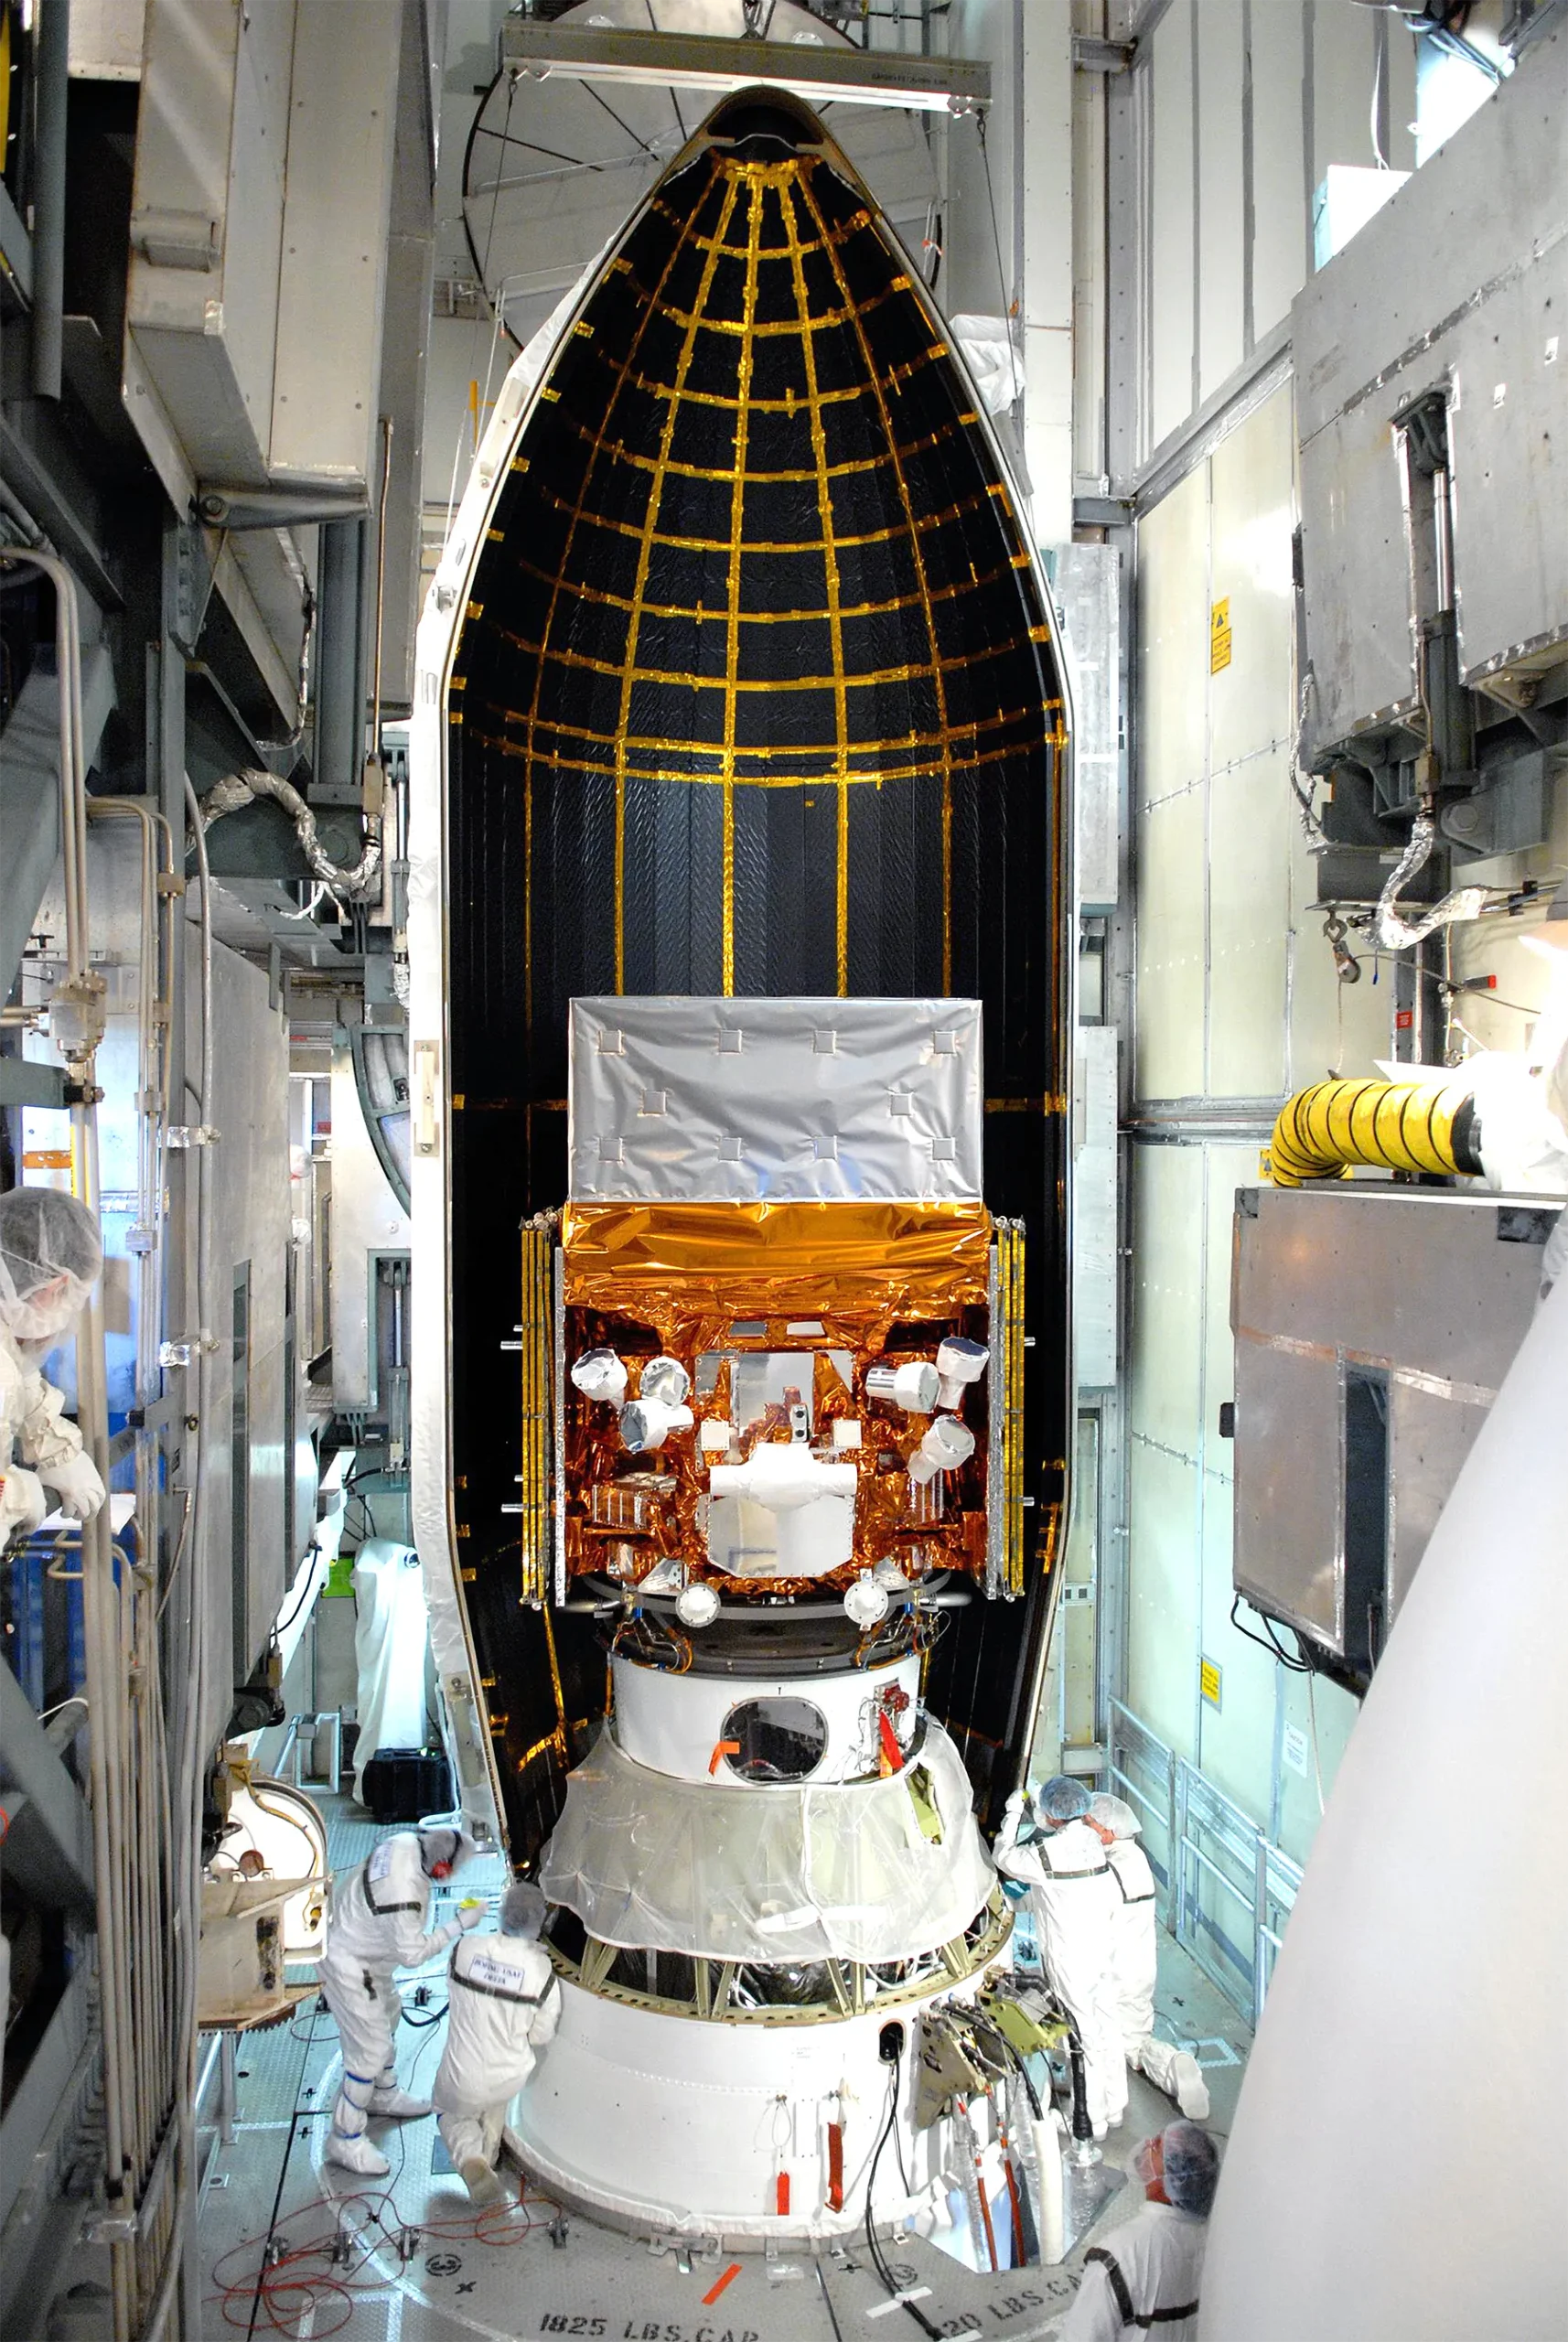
column 49, row 1817
column 42, row 2111
column 698, row 61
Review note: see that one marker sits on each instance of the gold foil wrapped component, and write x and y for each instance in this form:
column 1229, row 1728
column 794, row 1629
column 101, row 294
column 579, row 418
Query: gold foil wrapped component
column 692, row 1271
column 832, row 1282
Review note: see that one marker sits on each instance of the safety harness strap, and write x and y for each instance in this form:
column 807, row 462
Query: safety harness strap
column 1122, row 2297
column 383, row 1910
column 498, row 1991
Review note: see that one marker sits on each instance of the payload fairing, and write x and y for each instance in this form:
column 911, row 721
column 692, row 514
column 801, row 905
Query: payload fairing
column 741, row 930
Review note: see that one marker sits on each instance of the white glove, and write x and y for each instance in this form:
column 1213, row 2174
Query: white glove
column 77, row 1485
column 22, row 1503
column 468, row 1915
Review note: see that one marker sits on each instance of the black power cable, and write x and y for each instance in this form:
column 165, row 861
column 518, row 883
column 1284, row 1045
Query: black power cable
column 878, row 2258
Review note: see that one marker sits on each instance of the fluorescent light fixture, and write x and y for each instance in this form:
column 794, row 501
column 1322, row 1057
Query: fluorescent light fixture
column 699, row 62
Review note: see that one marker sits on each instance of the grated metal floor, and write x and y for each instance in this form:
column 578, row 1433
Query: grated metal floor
column 417, row 2264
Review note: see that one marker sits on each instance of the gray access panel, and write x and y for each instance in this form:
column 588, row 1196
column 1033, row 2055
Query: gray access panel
column 1422, row 1294
column 1460, row 283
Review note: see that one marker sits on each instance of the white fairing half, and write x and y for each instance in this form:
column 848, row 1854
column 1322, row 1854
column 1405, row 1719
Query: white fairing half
column 1394, row 2167
column 430, row 1456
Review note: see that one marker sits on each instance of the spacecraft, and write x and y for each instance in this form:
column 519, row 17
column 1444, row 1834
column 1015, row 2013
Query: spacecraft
column 740, row 929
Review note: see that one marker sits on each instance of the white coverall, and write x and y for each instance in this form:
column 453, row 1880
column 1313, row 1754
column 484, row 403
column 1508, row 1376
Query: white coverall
column 1134, row 1969
column 1144, row 2271
column 504, row 2003
column 376, row 1925
column 1077, row 1905
column 38, row 1444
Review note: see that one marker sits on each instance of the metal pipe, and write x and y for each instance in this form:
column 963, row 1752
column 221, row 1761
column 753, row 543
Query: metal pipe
column 52, row 96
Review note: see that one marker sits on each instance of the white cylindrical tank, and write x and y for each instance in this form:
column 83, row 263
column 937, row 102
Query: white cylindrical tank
column 1394, row 2168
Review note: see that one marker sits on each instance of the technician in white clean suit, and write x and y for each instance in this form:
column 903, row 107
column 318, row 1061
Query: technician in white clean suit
column 1145, row 2278
column 1134, row 1961
column 1077, row 1904
column 50, row 1258
column 376, row 1925
column 504, row 2004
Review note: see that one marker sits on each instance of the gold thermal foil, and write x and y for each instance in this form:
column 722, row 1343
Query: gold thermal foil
column 694, row 1270
column 812, row 1277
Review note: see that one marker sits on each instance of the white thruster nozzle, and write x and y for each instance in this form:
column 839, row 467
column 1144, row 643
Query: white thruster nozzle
column 946, row 1445
column 912, row 1386
column 666, row 1380
column 648, row 1422
column 601, row 1374
column 959, row 1362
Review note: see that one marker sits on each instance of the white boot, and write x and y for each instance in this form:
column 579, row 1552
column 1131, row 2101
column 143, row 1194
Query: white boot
column 353, row 2152
column 481, row 2182
column 1191, row 2089
column 1177, row 2073
column 398, row 2105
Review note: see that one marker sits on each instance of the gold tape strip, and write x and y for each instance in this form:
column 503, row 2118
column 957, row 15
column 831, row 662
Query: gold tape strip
column 924, row 524
column 660, row 465
column 650, row 743
column 630, row 678
column 1006, row 752
column 939, row 666
column 575, row 515
column 732, row 579
column 597, row 599
column 672, row 679
column 835, row 621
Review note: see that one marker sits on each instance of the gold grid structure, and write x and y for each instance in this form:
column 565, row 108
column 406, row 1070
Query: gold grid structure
column 767, row 213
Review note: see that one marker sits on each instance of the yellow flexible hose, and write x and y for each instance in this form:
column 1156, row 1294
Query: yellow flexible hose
column 1404, row 1126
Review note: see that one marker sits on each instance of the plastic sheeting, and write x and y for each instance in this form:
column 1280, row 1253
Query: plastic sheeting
column 994, row 361
column 844, row 1871
column 392, row 1650
column 691, row 1099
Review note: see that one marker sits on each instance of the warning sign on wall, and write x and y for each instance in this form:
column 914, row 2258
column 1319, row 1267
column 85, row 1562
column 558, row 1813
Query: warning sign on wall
column 1208, row 1681
column 1220, row 636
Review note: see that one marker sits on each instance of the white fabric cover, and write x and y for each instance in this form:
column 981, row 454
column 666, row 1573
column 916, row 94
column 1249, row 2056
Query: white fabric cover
column 843, row 1872
column 685, row 1099
column 37, row 1442
column 994, row 358
column 391, row 1643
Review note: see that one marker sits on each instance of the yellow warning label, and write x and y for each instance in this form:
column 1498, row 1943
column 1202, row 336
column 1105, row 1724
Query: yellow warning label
column 1220, row 636
column 1208, row 1681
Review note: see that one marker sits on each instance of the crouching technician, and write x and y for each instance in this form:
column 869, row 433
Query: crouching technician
column 376, row 1925
column 504, row 2004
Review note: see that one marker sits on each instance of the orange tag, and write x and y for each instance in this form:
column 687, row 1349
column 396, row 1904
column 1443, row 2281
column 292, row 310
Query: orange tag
column 722, row 1748
column 47, row 1158
column 890, row 1756
column 782, row 2194
column 835, row 2167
